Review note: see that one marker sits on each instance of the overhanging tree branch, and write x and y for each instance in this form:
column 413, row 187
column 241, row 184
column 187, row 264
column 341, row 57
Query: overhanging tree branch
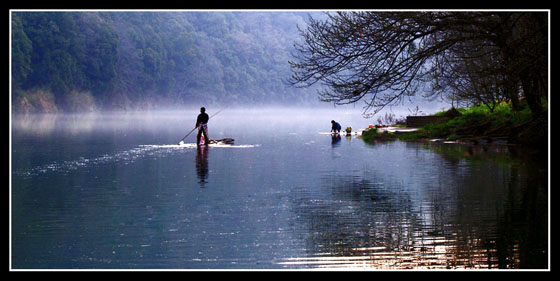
column 382, row 57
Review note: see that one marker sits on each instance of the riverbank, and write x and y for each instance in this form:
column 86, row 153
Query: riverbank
column 476, row 125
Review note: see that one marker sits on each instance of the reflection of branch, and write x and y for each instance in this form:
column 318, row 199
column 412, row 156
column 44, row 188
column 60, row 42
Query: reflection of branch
column 356, row 212
column 357, row 217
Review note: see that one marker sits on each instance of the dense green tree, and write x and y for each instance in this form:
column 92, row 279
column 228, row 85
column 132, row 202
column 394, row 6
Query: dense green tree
column 21, row 53
column 127, row 58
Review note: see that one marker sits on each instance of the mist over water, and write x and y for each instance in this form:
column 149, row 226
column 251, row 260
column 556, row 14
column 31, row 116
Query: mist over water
column 114, row 190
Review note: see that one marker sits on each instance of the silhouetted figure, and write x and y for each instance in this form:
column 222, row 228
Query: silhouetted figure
column 202, row 125
column 335, row 127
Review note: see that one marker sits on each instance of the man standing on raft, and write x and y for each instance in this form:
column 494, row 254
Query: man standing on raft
column 202, row 125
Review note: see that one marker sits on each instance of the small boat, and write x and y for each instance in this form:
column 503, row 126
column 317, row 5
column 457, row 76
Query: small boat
column 222, row 141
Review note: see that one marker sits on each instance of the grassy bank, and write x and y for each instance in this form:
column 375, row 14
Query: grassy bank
column 373, row 134
column 478, row 124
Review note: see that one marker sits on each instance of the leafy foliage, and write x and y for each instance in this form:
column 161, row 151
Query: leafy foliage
column 147, row 58
column 476, row 121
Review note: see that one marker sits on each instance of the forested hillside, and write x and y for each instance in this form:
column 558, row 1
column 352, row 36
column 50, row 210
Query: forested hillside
column 82, row 61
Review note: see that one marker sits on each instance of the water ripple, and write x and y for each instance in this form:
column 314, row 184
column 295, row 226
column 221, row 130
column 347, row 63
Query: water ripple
column 126, row 157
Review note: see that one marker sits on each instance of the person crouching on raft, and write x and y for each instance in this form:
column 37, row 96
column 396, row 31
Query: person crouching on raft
column 335, row 127
column 202, row 125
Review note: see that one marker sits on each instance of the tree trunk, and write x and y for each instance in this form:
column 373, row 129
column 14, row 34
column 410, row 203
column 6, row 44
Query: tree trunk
column 532, row 94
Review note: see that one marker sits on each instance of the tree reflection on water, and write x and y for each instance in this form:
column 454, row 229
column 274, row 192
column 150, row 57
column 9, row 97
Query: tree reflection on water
column 456, row 213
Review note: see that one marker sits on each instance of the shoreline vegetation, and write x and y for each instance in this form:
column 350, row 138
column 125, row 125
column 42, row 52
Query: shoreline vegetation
column 97, row 61
column 477, row 125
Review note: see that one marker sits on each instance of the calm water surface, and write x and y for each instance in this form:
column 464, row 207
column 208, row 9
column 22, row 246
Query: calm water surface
column 114, row 191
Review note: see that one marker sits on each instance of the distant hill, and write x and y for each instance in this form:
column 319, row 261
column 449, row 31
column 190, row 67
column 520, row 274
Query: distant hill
column 82, row 61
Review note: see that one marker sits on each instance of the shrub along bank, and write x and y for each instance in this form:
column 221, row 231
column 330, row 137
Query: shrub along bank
column 478, row 124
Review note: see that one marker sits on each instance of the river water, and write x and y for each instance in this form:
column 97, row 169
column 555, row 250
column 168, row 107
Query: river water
column 114, row 191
